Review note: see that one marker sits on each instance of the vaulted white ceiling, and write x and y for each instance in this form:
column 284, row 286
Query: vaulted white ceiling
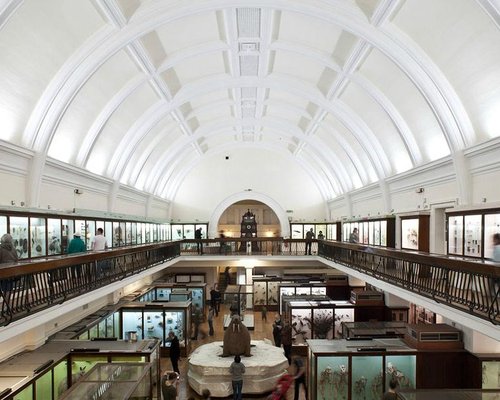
column 353, row 91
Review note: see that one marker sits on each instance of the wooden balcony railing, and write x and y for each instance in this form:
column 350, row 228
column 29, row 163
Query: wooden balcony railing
column 470, row 286
column 30, row 286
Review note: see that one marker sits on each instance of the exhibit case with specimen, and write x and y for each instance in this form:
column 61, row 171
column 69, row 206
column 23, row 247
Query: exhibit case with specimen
column 374, row 232
column 49, row 371
column 358, row 370
column 299, row 289
column 265, row 293
column 239, row 297
column 177, row 292
column 156, row 320
column 470, row 233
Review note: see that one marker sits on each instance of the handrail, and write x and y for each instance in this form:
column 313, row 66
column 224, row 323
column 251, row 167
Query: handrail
column 33, row 285
column 470, row 286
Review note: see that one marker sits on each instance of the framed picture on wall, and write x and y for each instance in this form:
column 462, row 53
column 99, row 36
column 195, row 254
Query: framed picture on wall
column 409, row 234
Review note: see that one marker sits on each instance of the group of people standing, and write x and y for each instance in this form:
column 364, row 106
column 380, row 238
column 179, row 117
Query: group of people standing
column 282, row 335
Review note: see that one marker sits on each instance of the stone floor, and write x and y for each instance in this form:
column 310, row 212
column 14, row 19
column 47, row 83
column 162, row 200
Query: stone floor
column 263, row 330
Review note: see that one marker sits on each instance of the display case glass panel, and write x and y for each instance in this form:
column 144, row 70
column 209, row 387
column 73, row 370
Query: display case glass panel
column 84, row 336
column 260, row 292
column 154, row 230
column 403, row 369
column 189, row 231
column 90, row 233
column 364, row 236
column 320, row 227
column 81, row 227
column 491, row 375
column 163, row 294
column 132, row 322
column 80, row 365
column 3, row 225
column 272, row 288
column 66, row 234
column 491, row 226
column 38, row 240
column 376, row 233
column 54, row 236
column 108, row 232
column 177, row 232
column 332, row 377
column 409, row 233
column 174, row 322
column 367, row 377
column 128, row 233
column 197, row 297
column 456, row 234
column 19, row 233
column 110, row 327
column 301, row 325
column 371, row 233
column 101, row 328
column 93, row 332
column 25, row 394
column 60, row 379
column 383, row 233
column 342, row 315
column 133, row 233
column 43, row 386
column 473, row 243
column 331, row 232
column 346, row 231
column 302, row 291
column 153, row 324
column 297, row 231
column 318, row 290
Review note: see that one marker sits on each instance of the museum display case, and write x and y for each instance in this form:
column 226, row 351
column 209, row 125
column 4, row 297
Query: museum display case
column 470, row 232
column 415, row 232
column 375, row 329
column 190, row 278
column 373, row 232
column 40, row 234
column 182, row 231
column 330, row 230
column 156, row 320
column 265, row 292
column 358, row 370
column 239, row 297
column 299, row 289
column 47, row 372
column 119, row 381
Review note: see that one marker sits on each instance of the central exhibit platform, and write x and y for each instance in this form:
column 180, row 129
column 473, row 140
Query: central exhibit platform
column 208, row 370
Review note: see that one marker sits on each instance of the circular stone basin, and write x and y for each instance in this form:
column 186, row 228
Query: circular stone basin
column 208, row 370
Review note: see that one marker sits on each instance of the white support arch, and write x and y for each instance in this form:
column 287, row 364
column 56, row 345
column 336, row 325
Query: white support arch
column 268, row 201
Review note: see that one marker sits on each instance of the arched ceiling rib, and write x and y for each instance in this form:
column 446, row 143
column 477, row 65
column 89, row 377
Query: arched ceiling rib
column 280, row 74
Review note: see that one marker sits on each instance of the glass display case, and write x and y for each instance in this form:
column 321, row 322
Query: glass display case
column 239, row 297
column 299, row 289
column 490, row 374
column 155, row 321
column 456, row 235
column 3, row 225
column 358, row 370
column 491, row 226
column 54, row 235
column 120, row 381
column 265, row 293
column 409, row 233
column 19, row 233
column 376, row 232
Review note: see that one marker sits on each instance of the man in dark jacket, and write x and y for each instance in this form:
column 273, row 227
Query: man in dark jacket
column 175, row 351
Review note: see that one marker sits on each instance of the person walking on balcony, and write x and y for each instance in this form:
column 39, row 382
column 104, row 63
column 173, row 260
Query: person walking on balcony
column 309, row 239
column 7, row 254
column 354, row 236
column 100, row 243
column 199, row 244
column 76, row 245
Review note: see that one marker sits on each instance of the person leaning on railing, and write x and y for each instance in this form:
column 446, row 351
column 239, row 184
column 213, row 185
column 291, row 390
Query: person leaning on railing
column 8, row 254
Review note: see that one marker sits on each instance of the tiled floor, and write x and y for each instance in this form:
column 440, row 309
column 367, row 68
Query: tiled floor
column 262, row 330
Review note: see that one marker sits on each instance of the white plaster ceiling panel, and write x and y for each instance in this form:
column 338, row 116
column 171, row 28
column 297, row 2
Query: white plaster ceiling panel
column 309, row 32
column 189, row 69
column 129, row 7
column 462, row 40
column 412, row 106
column 88, row 103
column 381, row 125
column 190, row 31
column 32, row 52
column 287, row 98
column 296, row 66
column 205, row 99
column 221, row 110
column 122, row 124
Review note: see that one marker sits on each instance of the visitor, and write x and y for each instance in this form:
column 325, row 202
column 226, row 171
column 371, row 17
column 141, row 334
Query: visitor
column 197, row 317
column 281, row 388
column 354, row 237
column 263, row 313
column 391, row 392
column 237, row 369
column 300, row 377
column 287, row 341
column 76, row 245
column 169, row 383
column 277, row 325
column 175, row 351
column 199, row 244
column 215, row 299
column 496, row 247
column 309, row 238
